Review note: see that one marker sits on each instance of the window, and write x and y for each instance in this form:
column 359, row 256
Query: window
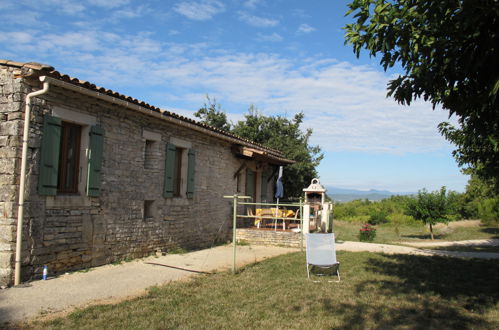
column 71, row 155
column 69, row 159
column 149, row 211
column 179, row 170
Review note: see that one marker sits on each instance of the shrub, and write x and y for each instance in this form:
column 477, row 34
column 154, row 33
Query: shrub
column 367, row 233
column 488, row 210
column 378, row 217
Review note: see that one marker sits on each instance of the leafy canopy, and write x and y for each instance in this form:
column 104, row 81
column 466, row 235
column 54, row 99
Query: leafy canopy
column 286, row 136
column 430, row 207
column 449, row 52
column 275, row 132
column 213, row 115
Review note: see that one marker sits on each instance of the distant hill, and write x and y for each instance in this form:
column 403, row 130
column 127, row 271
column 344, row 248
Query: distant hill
column 347, row 195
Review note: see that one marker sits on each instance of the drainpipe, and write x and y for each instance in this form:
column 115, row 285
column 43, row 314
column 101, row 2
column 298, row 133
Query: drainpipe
column 24, row 160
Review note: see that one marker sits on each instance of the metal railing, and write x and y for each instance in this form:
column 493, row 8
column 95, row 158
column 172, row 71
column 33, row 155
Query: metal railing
column 235, row 198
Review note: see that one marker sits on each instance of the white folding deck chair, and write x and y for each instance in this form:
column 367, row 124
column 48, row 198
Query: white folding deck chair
column 321, row 252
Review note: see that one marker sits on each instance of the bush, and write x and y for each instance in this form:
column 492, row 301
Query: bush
column 400, row 218
column 367, row 233
column 488, row 211
column 378, row 217
column 358, row 218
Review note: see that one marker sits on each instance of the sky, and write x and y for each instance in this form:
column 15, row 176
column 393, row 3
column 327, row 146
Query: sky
column 282, row 56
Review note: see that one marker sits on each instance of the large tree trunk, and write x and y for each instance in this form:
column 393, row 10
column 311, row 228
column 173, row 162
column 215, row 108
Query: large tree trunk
column 431, row 231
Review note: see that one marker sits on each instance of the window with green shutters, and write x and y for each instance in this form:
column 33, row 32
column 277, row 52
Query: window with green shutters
column 175, row 163
column 170, row 165
column 191, row 166
column 60, row 161
column 95, row 161
column 49, row 160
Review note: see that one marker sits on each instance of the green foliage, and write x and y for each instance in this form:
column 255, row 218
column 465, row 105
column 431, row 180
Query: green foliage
column 275, row 132
column 388, row 209
column 488, row 210
column 286, row 136
column 479, row 200
column 449, row 52
column 378, row 216
column 430, row 207
column 213, row 115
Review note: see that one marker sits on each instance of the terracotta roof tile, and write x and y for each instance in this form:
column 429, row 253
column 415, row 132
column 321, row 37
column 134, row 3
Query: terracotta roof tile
column 51, row 72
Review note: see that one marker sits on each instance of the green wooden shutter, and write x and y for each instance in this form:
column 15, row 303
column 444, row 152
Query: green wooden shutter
column 49, row 160
column 191, row 165
column 263, row 189
column 250, row 183
column 95, row 161
column 171, row 152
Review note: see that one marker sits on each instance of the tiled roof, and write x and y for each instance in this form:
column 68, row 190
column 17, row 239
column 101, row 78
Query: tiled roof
column 47, row 70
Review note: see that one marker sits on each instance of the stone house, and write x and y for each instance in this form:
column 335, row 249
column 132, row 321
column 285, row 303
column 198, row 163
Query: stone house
column 109, row 177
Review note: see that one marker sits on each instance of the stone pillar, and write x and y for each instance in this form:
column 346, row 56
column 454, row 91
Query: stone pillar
column 306, row 219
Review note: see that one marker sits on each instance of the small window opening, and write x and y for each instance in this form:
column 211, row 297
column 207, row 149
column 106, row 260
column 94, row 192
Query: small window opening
column 149, row 209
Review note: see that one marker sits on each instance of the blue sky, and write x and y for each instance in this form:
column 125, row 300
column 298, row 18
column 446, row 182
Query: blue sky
column 283, row 56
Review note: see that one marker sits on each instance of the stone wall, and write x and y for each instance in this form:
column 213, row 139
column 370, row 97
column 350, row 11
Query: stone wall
column 73, row 232
column 11, row 116
column 269, row 237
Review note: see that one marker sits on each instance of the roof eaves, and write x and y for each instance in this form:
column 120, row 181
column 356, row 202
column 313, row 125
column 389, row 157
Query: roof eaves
column 50, row 71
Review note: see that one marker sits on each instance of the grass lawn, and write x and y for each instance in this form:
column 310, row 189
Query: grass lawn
column 376, row 291
column 387, row 233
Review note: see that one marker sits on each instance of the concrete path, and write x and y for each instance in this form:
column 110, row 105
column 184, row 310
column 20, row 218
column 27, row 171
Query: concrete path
column 113, row 283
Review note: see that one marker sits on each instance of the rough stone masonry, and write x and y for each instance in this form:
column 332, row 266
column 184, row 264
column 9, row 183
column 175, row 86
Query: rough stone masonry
column 131, row 218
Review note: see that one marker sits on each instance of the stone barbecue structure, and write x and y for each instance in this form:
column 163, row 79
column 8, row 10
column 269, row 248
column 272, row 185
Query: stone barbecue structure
column 109, row 177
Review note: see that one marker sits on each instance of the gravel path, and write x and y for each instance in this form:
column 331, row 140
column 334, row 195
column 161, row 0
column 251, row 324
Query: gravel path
column 113, row 283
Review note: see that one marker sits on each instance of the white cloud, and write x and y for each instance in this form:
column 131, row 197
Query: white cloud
column 130, row 12
column 16, row 37
column 252, row 4
column 199, row 10
column 305, row 28
column 274, row 37
column 345, row 104
column 66, row 6
column 109, row 3
column 257, row 21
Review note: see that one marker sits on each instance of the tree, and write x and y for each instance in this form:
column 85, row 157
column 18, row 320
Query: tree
column 449, row 52
column 480, row 201
column 213, row 115
column 286, row 136
column 429, row 207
